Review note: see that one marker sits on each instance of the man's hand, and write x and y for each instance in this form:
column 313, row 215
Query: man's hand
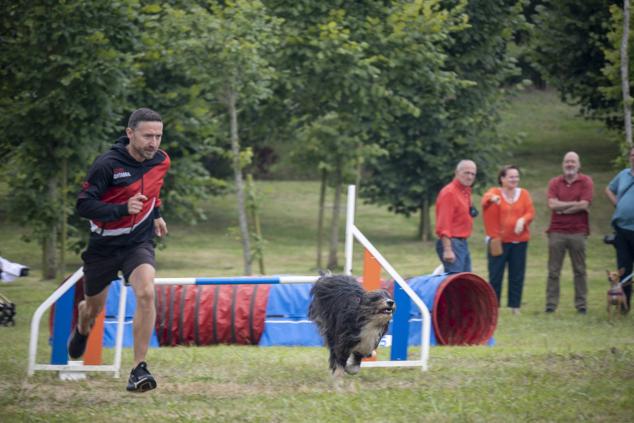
column 160, row 227
column 447, row 251
column 448, row 255
column 135, row 203
column 495, row 199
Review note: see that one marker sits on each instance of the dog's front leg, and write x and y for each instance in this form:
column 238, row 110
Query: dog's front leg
column 332, row 361
column 337, row 378
column 338, row 358
column 338, row 373
column 353, row 364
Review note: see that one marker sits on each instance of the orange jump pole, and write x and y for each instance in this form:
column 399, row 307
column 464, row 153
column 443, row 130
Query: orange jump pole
column 371, row 272
column 371, row 278
column 92, row 356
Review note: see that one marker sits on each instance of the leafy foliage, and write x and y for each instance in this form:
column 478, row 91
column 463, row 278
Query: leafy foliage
column 613, row 91
column 401, row 88
column 191, row 127
column 223, row 49
column 64, row 71
column 456, row 82
column 570, row 43
column 333, row 85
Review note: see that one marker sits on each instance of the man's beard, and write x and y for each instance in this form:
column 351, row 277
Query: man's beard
column 146, row 154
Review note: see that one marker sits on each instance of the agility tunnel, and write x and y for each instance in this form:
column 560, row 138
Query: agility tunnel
column 463, row 308
column 206, row 315
column 235, row 314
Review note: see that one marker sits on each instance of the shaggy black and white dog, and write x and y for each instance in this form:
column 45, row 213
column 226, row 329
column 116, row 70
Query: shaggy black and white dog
column 351, row 320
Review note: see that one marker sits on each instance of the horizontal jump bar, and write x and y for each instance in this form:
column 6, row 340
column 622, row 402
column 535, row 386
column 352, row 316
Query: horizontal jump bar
column 240, row 280
column 76, row 367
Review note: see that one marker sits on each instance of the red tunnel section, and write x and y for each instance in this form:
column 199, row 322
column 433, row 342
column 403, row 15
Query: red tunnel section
column 465, row 310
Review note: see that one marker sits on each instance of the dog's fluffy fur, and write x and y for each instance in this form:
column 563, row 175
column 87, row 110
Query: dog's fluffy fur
column 351, row 320
column 615, row 296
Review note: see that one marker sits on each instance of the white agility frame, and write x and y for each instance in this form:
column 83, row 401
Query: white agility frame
column 35, row 327
column 352, row 232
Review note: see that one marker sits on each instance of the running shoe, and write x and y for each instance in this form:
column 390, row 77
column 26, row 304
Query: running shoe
column 141, row 379
column 77, row 344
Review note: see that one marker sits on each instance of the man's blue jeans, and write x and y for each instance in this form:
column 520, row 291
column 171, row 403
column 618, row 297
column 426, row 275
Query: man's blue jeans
column 461, row 251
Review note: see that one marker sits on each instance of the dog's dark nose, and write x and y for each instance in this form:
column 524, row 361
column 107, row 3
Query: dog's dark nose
column 390, row 303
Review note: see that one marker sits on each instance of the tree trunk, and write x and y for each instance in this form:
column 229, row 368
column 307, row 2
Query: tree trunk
column 64, row 223
column 424, row 224
column 334, row 234
column 625, row 80
column 320, row 216
column 257, row 229
column 237, row 171
column 357, row 180
column 49, row 242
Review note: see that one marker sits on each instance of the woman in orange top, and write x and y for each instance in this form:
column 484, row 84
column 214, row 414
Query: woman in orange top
column 508, row 212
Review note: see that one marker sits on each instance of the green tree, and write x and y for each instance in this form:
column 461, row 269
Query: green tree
column 334, row 89
column 193, row 128
column 625, row 74
column 328, row 142
column 64, row 72
column 570, row 41
column 456, row 81
column 224, row 50
column 618, row 61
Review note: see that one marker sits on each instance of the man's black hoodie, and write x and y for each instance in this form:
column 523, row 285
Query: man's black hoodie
column 113, row 178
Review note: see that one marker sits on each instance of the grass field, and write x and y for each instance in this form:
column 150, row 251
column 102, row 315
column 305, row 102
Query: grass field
column 562, row 367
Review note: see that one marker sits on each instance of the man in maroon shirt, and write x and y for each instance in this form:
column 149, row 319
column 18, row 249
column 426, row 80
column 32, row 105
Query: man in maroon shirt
column 569, row 197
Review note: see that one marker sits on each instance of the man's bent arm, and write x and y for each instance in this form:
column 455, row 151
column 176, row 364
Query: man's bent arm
column 611, row 196
column 576, row 207
column 95, row 209
column 557, row 205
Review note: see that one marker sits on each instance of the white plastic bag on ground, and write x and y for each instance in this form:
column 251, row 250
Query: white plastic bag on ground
column 10, row 271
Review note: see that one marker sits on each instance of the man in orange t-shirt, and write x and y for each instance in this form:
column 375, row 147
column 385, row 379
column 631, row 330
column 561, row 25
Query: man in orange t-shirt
column 454, row 219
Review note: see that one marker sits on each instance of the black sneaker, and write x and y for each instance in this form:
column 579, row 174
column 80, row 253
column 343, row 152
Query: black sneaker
column 141, row 379
column 77, row 344
column 582, row 311
column 549, row 310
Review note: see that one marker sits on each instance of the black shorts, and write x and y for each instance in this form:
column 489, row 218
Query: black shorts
column 100, row 270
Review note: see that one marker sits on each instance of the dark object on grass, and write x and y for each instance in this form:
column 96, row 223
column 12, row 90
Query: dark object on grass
column 351, row 320
column 609, row 239
column 7, row 311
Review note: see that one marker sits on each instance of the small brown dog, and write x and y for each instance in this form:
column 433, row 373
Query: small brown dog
column 615, row 295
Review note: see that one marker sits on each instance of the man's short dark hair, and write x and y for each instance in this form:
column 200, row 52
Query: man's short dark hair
column 143, row 115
